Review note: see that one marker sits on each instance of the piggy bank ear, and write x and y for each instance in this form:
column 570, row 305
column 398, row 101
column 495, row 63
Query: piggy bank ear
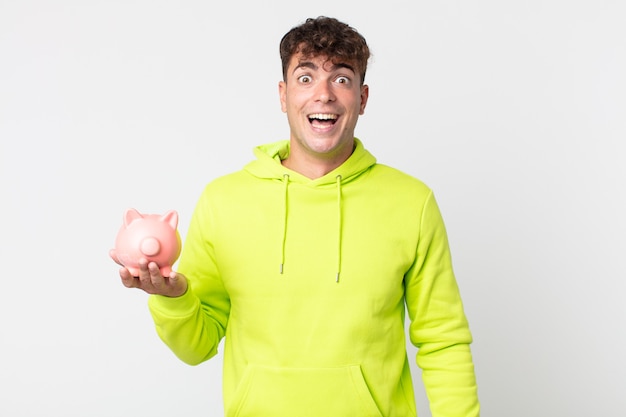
column 171, row 217
column 130, row 216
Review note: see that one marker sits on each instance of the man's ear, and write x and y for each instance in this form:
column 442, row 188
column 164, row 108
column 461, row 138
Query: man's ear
column 282, row 92
column 365, row 93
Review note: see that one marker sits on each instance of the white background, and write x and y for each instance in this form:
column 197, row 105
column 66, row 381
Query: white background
column 513, row 112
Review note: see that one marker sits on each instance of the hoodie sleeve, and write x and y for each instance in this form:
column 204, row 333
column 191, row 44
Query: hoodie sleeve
column 193, row 325
column 439, row 328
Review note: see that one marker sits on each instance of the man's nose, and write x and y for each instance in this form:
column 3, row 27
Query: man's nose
column 324, row 92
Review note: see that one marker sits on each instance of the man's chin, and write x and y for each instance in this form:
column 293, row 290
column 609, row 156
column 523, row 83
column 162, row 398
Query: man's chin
column 329, row 146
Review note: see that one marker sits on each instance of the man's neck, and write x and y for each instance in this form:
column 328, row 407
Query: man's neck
column 312, row 166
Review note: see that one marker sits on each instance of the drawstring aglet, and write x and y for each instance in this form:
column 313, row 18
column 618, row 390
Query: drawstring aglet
column 337, row 278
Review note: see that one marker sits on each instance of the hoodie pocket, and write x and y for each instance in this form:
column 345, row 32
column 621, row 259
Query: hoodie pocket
column 303, row 392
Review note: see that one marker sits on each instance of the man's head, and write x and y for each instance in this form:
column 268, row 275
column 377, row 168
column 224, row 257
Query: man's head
column 326, row 37
column 322, row 93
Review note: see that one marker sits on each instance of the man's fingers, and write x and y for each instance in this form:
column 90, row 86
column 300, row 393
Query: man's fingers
column 152, row 281
column 144, row 275
column 156, row 279
column 128, row 279
column 177, row 283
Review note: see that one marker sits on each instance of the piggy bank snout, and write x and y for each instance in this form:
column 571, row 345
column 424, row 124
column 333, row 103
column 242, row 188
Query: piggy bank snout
column 150, row 246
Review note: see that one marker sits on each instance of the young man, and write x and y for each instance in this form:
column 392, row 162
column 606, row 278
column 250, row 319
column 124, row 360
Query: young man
column 305, row 259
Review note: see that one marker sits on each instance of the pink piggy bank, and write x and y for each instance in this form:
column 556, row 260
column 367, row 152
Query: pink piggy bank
column 150, row 236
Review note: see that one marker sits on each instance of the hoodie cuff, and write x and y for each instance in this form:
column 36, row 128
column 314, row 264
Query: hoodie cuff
column 181, row 306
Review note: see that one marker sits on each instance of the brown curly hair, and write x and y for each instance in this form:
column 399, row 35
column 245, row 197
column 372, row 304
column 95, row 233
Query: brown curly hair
column 326, row 36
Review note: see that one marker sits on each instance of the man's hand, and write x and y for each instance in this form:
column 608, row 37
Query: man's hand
column 151, row 281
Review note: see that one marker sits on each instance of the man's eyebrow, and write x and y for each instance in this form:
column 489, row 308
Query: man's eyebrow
column 305, row 64
column 311, row 65
column 343, row 65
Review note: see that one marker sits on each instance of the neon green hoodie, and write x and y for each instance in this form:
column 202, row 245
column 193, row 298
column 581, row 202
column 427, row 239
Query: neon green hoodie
column 308, row 280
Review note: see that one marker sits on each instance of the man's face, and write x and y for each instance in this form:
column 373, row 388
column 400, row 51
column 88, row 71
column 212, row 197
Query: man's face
column 323, row 102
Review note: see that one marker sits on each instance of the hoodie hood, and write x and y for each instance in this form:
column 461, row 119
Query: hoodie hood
column 268, row 166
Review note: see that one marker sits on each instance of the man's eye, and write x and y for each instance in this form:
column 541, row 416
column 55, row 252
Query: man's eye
column 342, row 80
column 304, row 79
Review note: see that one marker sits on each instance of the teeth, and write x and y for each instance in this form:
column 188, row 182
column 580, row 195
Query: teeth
column 323, row 116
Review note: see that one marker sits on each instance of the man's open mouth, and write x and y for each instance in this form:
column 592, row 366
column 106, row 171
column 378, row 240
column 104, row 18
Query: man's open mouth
column 323, row 119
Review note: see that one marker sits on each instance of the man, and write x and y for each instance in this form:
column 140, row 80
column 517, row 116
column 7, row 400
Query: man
column 305, row 259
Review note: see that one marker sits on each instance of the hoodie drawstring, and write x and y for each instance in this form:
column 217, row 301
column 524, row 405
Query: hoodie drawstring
column 285, row 216
column 284, row 237
column 339, row 227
